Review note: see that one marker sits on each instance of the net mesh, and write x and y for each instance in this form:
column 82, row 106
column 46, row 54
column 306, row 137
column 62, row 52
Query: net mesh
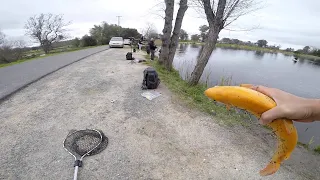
column 103, row 145
column 82, row 142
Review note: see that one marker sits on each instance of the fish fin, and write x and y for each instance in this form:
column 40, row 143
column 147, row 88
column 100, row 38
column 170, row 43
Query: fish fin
column 228, row 107
column 271, row 168
column 288, row 125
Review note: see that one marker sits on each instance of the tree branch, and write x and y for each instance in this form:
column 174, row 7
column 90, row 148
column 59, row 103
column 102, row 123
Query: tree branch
column 209, row 12
column 219, row 21
column 232, row 7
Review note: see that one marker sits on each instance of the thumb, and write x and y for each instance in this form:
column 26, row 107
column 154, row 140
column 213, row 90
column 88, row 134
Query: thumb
column 270, row 115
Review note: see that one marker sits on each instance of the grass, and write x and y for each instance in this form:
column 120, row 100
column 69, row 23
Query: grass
column 53, row 52
column 308, row 145
column 304, row 145
column 317, row 149
column 195, row 97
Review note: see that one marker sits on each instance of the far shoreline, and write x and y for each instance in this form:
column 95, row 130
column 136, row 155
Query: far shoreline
column 256, row 48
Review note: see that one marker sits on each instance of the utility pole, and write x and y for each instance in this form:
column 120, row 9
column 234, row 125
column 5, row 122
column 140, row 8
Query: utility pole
column 119, row 20
column 119, row 24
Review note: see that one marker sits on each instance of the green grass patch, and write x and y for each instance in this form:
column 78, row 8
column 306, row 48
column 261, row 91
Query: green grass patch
column 195, row 97
column 317, row 149
column 303, row 145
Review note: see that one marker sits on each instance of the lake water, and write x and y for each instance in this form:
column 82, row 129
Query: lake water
column 301, row 78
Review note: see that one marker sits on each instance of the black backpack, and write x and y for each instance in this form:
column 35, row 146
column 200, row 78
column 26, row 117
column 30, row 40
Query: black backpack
column 129, row 56
column 150, row 79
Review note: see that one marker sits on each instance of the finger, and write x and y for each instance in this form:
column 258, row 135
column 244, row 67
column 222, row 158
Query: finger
column 270, row 115
column 264, row 90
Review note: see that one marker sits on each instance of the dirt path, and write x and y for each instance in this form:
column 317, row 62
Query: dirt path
column 159, row 139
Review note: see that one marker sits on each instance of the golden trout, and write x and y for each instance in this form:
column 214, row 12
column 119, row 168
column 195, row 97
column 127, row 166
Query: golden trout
column 257, row 103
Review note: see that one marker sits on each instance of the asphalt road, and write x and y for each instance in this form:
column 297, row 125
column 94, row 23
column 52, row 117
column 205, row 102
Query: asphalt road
column 13, row 78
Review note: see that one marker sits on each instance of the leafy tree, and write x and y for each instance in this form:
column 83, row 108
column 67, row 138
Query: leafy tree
column 104, row 32
column 289, row 49
column 316, row 52
column 249, row 43
column 88, row 41
column 183, row 35
column 129, row 32
column 236, row 41
column 46, row 29
column 262, row 43
column 97, row 33
column 306, row 49
column 203, row 32
column 76, row 42
column 226, row 40
column 195, row 37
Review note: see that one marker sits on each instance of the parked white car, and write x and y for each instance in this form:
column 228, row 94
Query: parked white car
column 116, row 42
column 126, row 41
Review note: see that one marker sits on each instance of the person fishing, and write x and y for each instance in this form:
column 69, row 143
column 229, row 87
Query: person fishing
column 139, row 44
column 152, row 48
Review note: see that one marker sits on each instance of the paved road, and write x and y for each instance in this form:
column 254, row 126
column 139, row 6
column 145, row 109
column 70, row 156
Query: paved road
column 13, row 78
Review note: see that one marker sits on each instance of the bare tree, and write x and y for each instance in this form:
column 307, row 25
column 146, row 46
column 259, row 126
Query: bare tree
column 46, row 29
column 170, row 42
column 219, row 14
column 149, row 31
column 2, row 37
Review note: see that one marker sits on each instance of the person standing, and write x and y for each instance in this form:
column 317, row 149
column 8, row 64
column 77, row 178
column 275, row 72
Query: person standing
column 152, row 48
column 140, row 44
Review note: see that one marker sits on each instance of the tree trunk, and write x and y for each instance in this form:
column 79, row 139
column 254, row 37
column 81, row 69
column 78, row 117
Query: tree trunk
column 216, row 23
column 46, row 48
column 175, row 34
column 204, row 56
column 166, row 31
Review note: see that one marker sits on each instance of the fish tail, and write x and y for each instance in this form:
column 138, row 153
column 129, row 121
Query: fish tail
column 271, row 168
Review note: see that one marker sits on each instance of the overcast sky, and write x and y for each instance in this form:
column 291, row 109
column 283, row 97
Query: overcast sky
column 290, row 23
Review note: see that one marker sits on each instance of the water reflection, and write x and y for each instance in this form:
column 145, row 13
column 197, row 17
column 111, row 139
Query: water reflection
column 259, row 54
column 195, row 45
column 301, row 60
column 182, row 48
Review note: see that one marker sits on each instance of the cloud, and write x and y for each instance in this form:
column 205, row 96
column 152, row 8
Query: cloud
column 291, row 23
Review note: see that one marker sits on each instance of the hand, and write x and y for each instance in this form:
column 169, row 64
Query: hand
column 289, row 106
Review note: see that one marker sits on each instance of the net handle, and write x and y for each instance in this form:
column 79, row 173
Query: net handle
column 75, row 175
column 78, row 162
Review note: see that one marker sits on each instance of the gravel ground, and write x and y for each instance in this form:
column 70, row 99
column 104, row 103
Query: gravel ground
column 158, row 139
